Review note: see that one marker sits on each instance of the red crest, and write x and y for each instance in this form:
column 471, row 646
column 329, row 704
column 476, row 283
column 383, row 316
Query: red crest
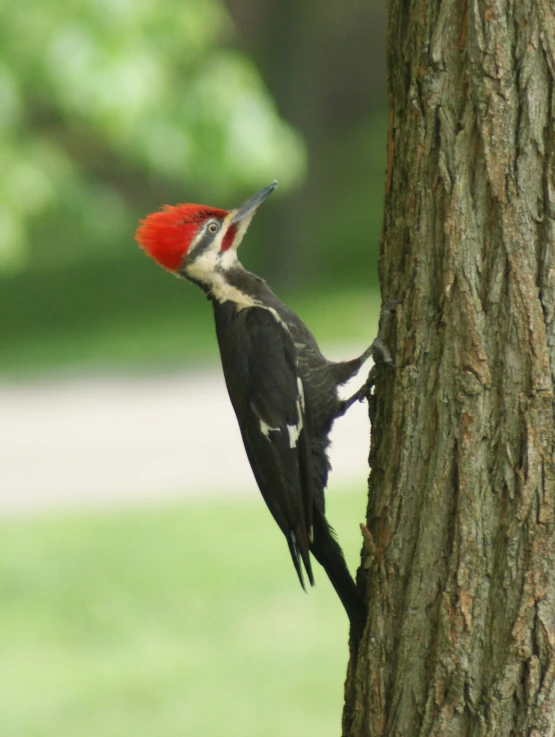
column 166, row 236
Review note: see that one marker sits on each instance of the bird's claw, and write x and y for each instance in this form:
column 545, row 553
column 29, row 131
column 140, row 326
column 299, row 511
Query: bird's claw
column 379, row 349
column 379, row 352
column 366, row 389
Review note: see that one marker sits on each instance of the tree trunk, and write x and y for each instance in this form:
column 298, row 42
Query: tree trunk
column 459, row 572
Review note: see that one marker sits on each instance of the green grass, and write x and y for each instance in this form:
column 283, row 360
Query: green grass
column 176, row 621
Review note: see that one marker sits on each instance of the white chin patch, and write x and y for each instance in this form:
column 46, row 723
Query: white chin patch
column 210, row 269
column 203, row 268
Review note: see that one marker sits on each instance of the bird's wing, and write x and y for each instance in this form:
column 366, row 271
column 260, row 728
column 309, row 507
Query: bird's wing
column 268, row 396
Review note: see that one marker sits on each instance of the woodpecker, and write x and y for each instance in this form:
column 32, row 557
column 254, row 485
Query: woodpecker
column 283, row 390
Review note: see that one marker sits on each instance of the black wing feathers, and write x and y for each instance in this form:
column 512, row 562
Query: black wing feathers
column 266, row 390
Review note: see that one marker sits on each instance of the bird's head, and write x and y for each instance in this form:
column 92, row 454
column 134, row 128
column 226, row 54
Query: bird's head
column 193, row 240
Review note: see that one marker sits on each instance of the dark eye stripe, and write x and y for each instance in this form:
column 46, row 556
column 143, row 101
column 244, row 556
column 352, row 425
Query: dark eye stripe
column 202, row 245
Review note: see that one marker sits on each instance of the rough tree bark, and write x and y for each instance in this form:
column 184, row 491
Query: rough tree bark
column 460, row 572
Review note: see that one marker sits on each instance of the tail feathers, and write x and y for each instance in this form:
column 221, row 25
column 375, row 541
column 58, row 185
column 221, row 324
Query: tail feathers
column 328, row 553
column 299, row 554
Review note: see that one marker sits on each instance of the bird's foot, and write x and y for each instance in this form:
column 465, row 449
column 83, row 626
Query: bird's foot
column 359, row 396
column 379, row 352
column 378, row 349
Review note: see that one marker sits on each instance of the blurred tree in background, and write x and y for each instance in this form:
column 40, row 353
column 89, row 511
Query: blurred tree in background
column 110, row 109
column 101, row 99
column 324, row 64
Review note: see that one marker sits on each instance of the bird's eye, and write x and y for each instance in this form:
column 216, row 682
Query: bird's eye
column 213, row 227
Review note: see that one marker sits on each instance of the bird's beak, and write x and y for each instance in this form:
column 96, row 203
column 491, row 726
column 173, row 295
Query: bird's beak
column 244, row 212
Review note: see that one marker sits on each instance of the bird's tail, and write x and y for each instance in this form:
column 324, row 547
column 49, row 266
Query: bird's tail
column 328, row 553
column 299, row 552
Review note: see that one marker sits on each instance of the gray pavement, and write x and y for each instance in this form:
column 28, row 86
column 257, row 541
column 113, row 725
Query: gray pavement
column 90, row 441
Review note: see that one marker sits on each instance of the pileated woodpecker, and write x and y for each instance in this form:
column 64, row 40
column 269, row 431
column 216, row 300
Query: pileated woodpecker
column 283, row 390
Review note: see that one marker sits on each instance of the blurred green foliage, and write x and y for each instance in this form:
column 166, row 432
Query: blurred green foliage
column 110, row 108
column 140, row 623
column 124, row 310
column 97, row 95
